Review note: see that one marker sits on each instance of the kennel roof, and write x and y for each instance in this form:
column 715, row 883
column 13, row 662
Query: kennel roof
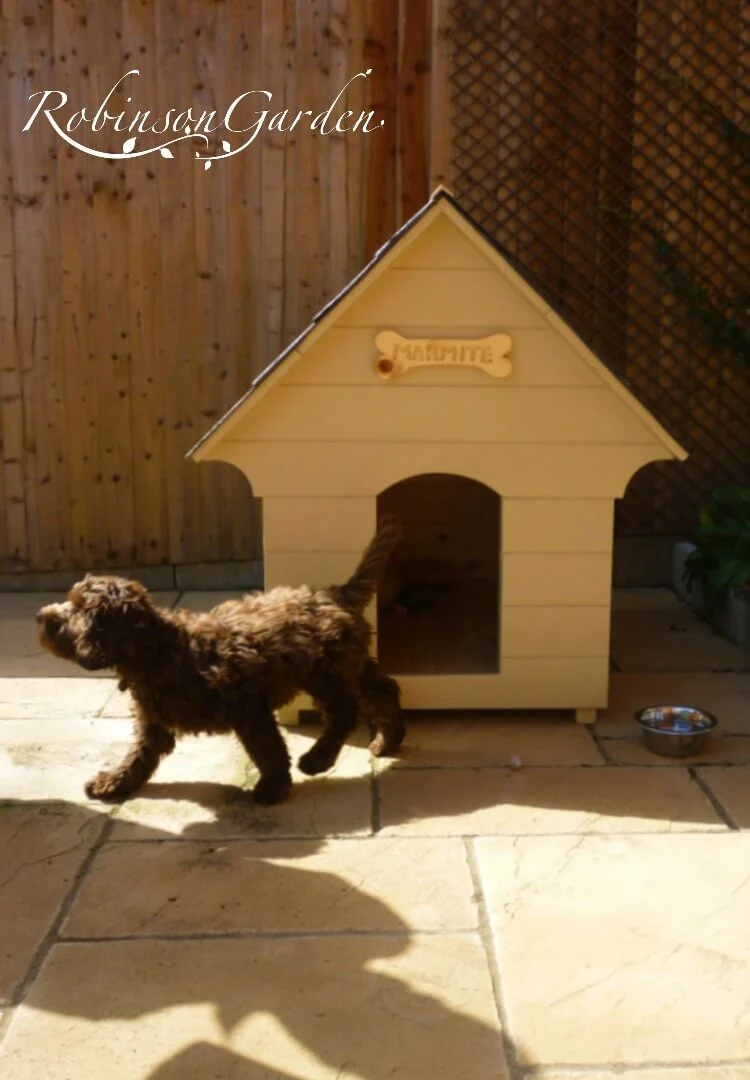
column 441, row 203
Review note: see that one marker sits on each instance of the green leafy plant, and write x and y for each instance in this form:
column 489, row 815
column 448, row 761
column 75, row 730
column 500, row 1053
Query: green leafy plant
column 721, row 559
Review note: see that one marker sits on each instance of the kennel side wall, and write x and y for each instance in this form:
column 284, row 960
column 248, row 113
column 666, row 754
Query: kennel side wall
column 552, row 439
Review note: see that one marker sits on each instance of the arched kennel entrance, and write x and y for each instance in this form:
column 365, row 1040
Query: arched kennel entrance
column 439, row 607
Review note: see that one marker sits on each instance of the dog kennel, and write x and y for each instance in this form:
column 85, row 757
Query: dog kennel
column 440, row 386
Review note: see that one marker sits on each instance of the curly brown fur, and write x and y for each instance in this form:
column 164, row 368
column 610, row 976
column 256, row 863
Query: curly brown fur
column 230, row 668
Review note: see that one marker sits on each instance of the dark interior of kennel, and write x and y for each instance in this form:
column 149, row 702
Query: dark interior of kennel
column 439, row 603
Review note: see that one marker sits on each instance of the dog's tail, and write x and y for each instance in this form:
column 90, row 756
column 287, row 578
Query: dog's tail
column 362, row 585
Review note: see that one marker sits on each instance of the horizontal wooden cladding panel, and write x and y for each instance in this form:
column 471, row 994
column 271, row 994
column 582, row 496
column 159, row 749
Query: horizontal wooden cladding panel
column 347, row 357
column 558, row 525
column 555, row 632
column 442, row 246
column 343, row 524
column 393, row 413
column 360, row 468
column 547, row 580
column 445, row 298
column 572, row 683
column 315, row 568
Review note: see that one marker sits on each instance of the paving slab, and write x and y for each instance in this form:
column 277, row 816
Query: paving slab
column 213, row 938
column 41, row 851
column 717, row 750
column 731, row 786
column 467, row 740
column 45, row 698
column 52, row 759
column 469, row 802
column 279, row 886
column 202, row 791
column 202, row 788
column 671, row 640
column 20, row 652
column 355, row 1007
column 628, row 950
column 646, row 599
column 726, row 695
column 117, row 705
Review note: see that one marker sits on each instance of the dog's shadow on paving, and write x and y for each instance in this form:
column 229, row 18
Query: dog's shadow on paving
column 369, row 997
column 486, row 801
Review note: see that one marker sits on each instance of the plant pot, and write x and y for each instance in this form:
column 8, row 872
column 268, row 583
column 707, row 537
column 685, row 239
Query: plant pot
column 733, row 621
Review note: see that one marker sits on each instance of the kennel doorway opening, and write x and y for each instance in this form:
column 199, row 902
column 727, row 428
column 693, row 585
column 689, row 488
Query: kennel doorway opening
column 439, row 603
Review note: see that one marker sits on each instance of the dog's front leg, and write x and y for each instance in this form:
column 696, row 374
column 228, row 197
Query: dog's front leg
column 264, row 743
column 152, row 743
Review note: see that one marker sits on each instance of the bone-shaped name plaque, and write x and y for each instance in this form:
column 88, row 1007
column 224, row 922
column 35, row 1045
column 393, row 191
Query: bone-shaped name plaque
column 398, row 354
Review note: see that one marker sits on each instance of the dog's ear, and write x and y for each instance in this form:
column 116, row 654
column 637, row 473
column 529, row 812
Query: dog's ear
column 118, row 609
column 131, row 603
column 140, row 595
column 116, row 605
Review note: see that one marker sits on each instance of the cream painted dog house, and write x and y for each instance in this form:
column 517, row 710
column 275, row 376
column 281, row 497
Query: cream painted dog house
column 440, row 386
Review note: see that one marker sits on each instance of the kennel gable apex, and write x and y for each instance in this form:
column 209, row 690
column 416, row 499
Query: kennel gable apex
column 443, row 243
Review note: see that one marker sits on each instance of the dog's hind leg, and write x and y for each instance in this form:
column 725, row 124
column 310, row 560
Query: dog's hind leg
column 265, row 745
column 381, row 705
column 152, row 743
column 340, row 705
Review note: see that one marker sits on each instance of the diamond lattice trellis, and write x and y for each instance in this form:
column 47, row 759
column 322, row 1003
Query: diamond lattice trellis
column 605, row 145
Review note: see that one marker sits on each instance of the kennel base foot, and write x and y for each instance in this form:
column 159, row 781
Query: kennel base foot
column 585, row 716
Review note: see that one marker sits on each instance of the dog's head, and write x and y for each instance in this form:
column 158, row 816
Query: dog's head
column 100, row 624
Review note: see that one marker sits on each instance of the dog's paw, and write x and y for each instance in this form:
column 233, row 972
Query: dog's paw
column 316, row 761
column 107, row 787
column 386, row 743
column 271, row 789
column 378, row 745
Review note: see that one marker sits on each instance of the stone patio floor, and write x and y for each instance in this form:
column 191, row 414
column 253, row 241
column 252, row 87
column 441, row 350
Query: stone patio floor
column 438, row 917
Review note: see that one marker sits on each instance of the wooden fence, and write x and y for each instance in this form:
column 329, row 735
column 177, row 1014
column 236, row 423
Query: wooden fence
column 138, row 298
column 604, row 144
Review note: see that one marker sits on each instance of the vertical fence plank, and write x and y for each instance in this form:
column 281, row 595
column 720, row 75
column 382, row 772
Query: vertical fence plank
column 75, row 291
column 53, row 477
column 243, row 334
column 205, row 60
column 440, row 126
column 413, row 104
column 358, row 92
column 381, row 148
column 14, row 540
column 143, row 255
column 32, row 249
column 335, row 191
column 291, row 96
column 176, row 324
column 311, row 162
column 109, row 303
column 274, row 151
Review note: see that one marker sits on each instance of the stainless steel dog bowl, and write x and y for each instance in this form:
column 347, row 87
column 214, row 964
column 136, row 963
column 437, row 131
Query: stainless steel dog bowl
column 675, row 730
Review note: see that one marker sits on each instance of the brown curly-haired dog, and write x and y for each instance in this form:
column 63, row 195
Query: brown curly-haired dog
column 228, row 669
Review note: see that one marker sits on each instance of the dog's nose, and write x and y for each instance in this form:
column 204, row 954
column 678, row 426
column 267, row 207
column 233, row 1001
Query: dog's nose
column 39, row 618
